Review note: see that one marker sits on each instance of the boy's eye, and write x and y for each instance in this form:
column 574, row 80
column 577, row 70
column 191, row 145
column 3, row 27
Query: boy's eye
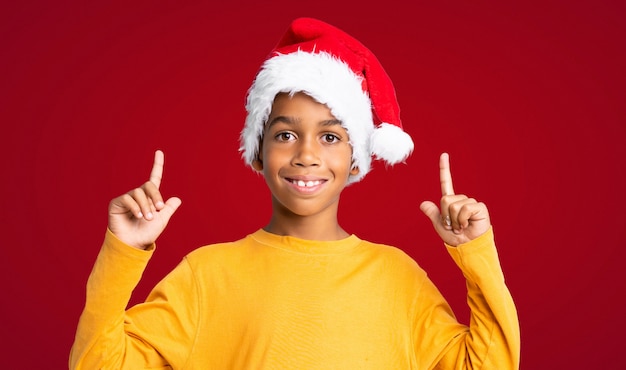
column 285, row 136
column 330, row 138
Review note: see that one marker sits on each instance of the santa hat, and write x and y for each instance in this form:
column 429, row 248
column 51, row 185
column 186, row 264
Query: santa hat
column 335, row 69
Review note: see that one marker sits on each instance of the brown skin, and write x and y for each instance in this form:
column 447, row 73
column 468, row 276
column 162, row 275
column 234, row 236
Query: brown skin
column 468, row 219
column 138, row 217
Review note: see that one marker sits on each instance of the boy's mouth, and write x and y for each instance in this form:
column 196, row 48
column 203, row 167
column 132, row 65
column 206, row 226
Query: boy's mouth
column 307, row 183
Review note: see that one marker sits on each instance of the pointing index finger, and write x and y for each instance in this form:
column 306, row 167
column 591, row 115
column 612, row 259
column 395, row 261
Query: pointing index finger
column 157, row 168
column 445, row 177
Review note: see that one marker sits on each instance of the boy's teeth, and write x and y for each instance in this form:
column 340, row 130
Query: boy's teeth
column 306, row 183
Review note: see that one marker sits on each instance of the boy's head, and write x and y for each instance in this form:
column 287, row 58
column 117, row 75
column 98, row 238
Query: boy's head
column 336, row 70
column 305, row 156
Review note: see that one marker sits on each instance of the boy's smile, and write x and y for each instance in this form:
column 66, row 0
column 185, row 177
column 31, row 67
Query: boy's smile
column 306, row 158
column 306, row 184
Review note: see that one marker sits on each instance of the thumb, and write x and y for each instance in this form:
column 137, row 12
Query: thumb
column 171, row 205
column 431, row 211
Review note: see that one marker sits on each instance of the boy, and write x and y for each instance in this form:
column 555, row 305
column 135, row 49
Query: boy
column 301, row 293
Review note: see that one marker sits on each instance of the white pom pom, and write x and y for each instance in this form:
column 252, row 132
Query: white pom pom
column 390, row 143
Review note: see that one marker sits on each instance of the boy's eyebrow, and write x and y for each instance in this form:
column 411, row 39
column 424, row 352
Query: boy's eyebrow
column 284, row 119
column 292, row 120
column 330, row 122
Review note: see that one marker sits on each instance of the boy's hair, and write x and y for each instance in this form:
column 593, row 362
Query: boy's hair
column 336, row 70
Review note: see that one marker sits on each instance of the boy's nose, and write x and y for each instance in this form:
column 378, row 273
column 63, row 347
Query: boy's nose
column 307, row 154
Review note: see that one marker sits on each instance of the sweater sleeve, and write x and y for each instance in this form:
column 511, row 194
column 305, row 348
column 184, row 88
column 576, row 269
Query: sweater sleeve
column 109, row 337
column 493, row 339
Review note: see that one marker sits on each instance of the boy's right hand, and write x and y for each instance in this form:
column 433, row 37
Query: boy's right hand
column 138, row 217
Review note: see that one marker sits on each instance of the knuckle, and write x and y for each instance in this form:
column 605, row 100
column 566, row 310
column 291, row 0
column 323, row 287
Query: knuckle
column 137, row 195
column 447, row 199
column 455, row 207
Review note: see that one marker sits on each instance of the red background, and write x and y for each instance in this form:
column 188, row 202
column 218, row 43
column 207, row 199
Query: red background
column 528, row 99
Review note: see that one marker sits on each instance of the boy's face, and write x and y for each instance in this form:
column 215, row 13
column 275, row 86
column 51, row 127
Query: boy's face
column 305, row 156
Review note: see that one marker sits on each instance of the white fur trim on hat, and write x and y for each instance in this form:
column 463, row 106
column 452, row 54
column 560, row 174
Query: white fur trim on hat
column 390, row 143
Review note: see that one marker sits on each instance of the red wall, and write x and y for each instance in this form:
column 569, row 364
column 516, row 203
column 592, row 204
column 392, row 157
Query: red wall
column 528, row 99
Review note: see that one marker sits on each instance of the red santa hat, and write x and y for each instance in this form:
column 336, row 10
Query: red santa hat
column 335, row 69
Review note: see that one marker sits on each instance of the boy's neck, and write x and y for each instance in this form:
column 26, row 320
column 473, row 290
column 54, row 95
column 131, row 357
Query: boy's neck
column 318, row 227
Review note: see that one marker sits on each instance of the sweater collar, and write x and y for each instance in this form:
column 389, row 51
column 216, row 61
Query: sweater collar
column 304, row 246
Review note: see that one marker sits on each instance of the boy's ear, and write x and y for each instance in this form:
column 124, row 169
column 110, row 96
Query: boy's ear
column 257, row 164
column 354, row 171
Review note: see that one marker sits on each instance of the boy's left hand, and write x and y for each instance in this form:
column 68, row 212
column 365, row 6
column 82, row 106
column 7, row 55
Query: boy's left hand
column 461, row 219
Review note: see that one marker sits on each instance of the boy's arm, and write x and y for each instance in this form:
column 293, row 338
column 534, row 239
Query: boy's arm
column 100, row 337
column 154, row 334
column 136, row 219
column 492, row 341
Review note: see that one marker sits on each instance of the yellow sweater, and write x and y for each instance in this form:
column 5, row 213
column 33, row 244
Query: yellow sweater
column 272, row 302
